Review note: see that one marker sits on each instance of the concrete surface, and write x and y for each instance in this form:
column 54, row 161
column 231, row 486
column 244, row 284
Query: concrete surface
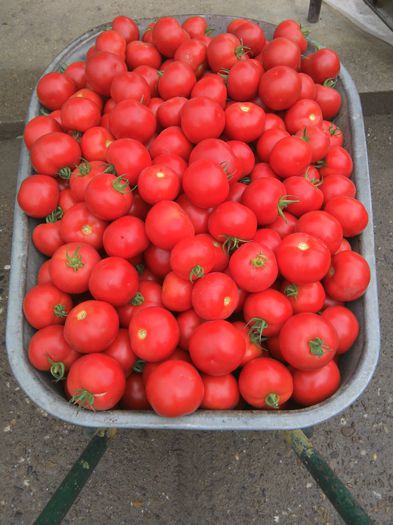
column 32, row 33
column 170, row 478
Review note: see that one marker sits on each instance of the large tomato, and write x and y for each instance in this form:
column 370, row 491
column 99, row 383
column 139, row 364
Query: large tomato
column 120, row 349
column 157, row 183
column 130, row 86
column 348, row 277
column 232, row 223
column 167, row 223
column 281, row 52
column 253, row 267
column 314, row 386
column 221, row 392
column 337, row 186
column 125, row 237
column 131, row 119
column 79, row 114
column 37, row 127
column 337, row 162
column 46, row 305
column 308, row 297
column 193, row 257
column 304, row 112
column 177, row 80
column 126, row 27
column 202, row 118
column 322, row 225
column 176, row 293
column 220, row 152
column 206, row 183
column 55, row 153
column 212, row 87
column 46, row 237
column 215, row 296
column 224, row 51
column 142, row 53
column 38, row 196
column 305, row 195
column 101, row 68
column 243, row 80
column 113, row 280
column 79, row 225
column 53, row 89
column 280, row 87
column 266, row 197
column 129, row 157
column 171, row 141
column 351, row 214
column 167, row 35
column 244, row 121
column 290, row 157
column 346, row 325
column 95, row 142
column 108, row 197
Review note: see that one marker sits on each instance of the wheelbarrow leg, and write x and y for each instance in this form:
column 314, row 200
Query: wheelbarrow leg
column 66, row 494
column 314, row 11
column 338, row 494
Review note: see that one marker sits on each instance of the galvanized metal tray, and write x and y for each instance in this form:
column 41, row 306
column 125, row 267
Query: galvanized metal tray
column 357, row 366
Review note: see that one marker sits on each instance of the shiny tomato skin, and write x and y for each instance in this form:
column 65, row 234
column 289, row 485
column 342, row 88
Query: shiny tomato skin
column 350, row 212
column 236, row 191
column 265, row 383
column 337, row 186
column 193, row 53
column 133, row 120
column 221, row 393
column 175, row 389
column 171, row 141
column 216, row 348
column 244, row 121
column 202, row 118
column 220, row 152
column 243, row 80
column 108, row 197
column 336, row 136
column 253, row 350
column 322, row 65
column 76, row 71
column 244, row 153
column 308, row 297
column 101, row 68
column 177, row 80
column 199, row 216
column 38, row 196
column 167, row 223
column 169, row 111
column 224, row 51
column 265, row 198
column 130, row 86
column 308, row 196
column 187, row 321
column 337, row 162
column 79, row 225
column 91, row 326
column 79, row 114
column 54, row 151
column 251, row 36
column 192, row 257
column 112, row 42
column 305, row 112
column 322, row 225
column 157, row 260
column 270, row 306
column 267, row 141
column 290, row 157
column 268, row 238
column 154, row 333
column 142, row 53
column 307, row 341
column 37, row 127
column 148, row 294
column 279, row 88
column 95, row 142
column 120, row 349
column 284, row 225
column 253, row 267
column 167, row 35
column 53, row 89
column 205, row 183
column 292, row 30
column 48, row 347
column 311, row 387
column 125, row 237
column 317, row 139
column 126, row 27
column 215, row 296
column 71, row 266
column 211, row 87
column 281, row 52
column 101, row 376
column 329, row 100
column 113, row 280
column 348, row 277
column 129, row 157
column 195, row 26
column 272, row 120
column 232, row 220
column 46, row 238
column 45, row 305
column 134, row 397
column 346, row 325
column 303, row 258
column 157, row 183
column 176, row 293
column 308, row 89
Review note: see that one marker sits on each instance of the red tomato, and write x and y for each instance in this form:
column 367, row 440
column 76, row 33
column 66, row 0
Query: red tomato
column 243, row 80
column 46, row 305
column 91, row 326
column 134, row 397
column 131, row 119
column 171, row 141
column 280, row 87
column 266, row 197
column 192, row 257
column 72, row 265
column 290, row 157
column 187, row 321
column 292, row 30
column 206, row 183
column 322, row 225
column 96, row 382
column 82, row 175
column 38, row 196
column 236, row 191
column 281, row 52
column 53, row 89
column 193, row 53
column 235, row 24
column 308, row 297
column 176, row 293
column 217, row 348
column 157, row 260
column 273, row 121
column 232, row 223
column 314, row 386
column 167, row 223
column 253, row 267
column 346, row 325
column 126, row 27
column 175, row 389
column 177, row 80
column 329, row 99
column 284, row 225
column 221, row 393
column 46, row 238
column 224, row 51
column 37, row 127
column 95, row 142
column 322, row 65
column 202, row 118
column 168, row 113
column 336, row 136
column 268, row 238
column 148, row 294
column 130, row 86
column 337, row 162
column 304, row 195
column 265, row 383
column 173, row 161
column 195, row 26
column 55, row 153
column 154, row 333
column 337, row 186
column 108, row 197
column 80, row 114
column 148, row 34
column 112, row 42
column 157, row 183
column 304, row 112
column 348, row 277
column 344, row 246
column 125, row 237
column 350, row 212
column 113, row 280
column 79, row 225
column 199, row 216
column 120, row 349
column 266, row 312
column 211, row 87
column 101, row 68
column 128, row 157
column 220, row 152
column 43, row 275
column 88, row 94
column 307, row 341
column 317, row 139
column 308, row 89
column 167, row 35
column 267, row 141
column 215, row 296
column 251, row 37
column 303, row 258
column 244, row 153
column 244, row 121
column 151, row 76
column 253, row 350
column 142, row 53
column 76, row 71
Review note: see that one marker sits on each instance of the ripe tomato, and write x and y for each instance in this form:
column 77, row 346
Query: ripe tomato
column 205, row 183
column 187, row 322
column 79, row 225
column 76, row 71
column 285, row 224
column 53, row 89
column 111, row 41
column 316, row 138
column 101, row 69
column 167, row 35
column 157, row 183
column 173, row 161
column 195, row 26
column 307, row 341
column 91, row 326
column 217, row 348
column 232, row 223
column 108, row 197
column 266, row 197
column 279, row 88
column 134, row 397
column 346, row 325
column 292, row 30
column 348, row 277
column 199, row 216
column 120, row 349
column 290, row 157
column 130, row 86
column 322, row 65
column 72, row 265
column 38, row 196
column 215, row 296
column 202, row 118
column 128, row 157
column 308, row 297
column 154, row 333
column 157, row 260
column 126, row 27
column 96, row 382
column 176, row 293
column 192, row 257
column 236, row 191
column 95, row 142
column 265, row 383
column 268, row 238
column 167, row 223
column 243, row 80
column 142, row 54
column 220, row 152
column 82, row 175
column 148, row 294
column 244, row 121
column 344, row 246
column 304, row 195
column 79, row 114
column 37, row 127
column 171, row 141
column 265, row 312
column 55, row 153
column 113, row 280
column 168, row 113
column 253, row 350
column 314, row 386
column 336, row 136
column 303, row 258
column 89, row 94
column 267, row 141
column 329, row 99
column 211, row 87
column 46, row 237
column 308, row 89
column 253, row 267
column 350, row 212
column 273, row 121
column 244, row 153
column 281, row 52
column 46, row 305
column 224, row 51
column 304, row 112
column 174, row 389
column 125, row 237
column 193, row 53
column 177, row 80
column 322, row 225
column 337, row 186
column 43, row 275
column 337, row 162
column 251, row 36
column 221, row 393
column 131, row 119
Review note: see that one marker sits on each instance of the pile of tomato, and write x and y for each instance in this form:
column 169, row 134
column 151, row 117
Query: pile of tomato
column 197, row 203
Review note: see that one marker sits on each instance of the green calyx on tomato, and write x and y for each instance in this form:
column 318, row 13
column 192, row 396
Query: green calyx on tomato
column 56, row 215
column 64, row 173
column 225, row 167
column 84, row 168
column 272, row 400
column 291, row 290
column 196, row 273
column 232, row 243
column 60, row 311
column 318, row 347
column 83, row 399
column 87, row 229
column 138, row 299
column 110, row 169
column 241, row 50
column 257, row 326
column 284, row 202
column 57, row 369
column 74, row 261
column 330, row 83
column 259, row 261
column 140, row 268
column 138, row 366
column 121, row 185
